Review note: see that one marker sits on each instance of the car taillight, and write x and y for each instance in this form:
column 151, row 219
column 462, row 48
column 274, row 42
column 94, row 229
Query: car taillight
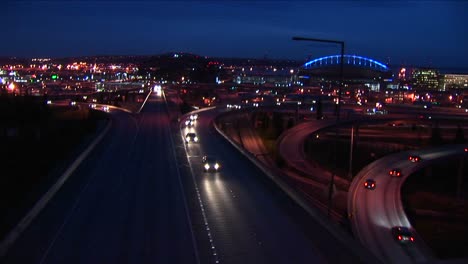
column 412, row 239
column 400, row 238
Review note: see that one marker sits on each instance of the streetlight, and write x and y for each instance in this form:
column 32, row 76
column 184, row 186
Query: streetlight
column 341, row 43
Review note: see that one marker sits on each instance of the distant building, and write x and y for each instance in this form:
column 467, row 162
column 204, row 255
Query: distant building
column 455, row 81
column 426, row 79
column 273, row 78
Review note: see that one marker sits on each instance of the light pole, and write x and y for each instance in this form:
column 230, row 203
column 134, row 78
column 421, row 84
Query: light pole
column 341, row 43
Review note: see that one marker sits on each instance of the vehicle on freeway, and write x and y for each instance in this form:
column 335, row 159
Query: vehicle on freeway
column 191, row 137
column 189, row 123
column 235, row 106
column 402, row 234
column 395, row 173
column 210, row 163
column 414, row 158
column 369, row 184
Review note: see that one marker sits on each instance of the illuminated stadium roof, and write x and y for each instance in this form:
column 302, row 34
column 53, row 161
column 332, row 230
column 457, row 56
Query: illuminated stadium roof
column 351, row 60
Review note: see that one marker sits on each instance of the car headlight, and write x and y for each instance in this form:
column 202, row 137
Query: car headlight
column 207, row 166
column 216, row 166
column 195, row 139
column 187, row 139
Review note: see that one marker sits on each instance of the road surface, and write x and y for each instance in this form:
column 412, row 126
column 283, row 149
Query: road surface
column 375, row 212
column 250, row 219
column 124, row 204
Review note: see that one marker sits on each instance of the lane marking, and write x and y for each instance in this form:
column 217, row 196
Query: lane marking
column 184, row 198
column 143, row 104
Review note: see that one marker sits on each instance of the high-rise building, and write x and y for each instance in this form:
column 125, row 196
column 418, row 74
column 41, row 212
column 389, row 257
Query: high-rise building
column 456, row 81
column 426, row 79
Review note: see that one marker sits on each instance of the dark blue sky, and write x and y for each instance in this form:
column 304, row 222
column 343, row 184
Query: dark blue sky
column 399, row 32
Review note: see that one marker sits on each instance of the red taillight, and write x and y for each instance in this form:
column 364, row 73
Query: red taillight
column 373, row 185
column 400, row 238
column 412, row 239
column 391, row 172
column 466, row 149
column 398, row 174
column 365, row 184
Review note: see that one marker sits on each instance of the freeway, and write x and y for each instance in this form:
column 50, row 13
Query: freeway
column 124, row 204
column 375, row 212
column 133, row 200
column 247, row 217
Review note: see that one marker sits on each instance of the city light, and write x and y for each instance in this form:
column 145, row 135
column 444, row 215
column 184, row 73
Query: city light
column 158, row 90
column 11, row 86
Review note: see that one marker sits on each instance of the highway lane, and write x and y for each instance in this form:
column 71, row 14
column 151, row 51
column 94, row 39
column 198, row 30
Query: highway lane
column 248, row 218
column 291, row 149
column 124, row 204
column 375, row 212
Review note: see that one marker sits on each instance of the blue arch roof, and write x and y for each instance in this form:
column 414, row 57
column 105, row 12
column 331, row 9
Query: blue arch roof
column 347, row 60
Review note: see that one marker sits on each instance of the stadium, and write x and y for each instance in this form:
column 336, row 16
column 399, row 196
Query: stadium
column 356, row 70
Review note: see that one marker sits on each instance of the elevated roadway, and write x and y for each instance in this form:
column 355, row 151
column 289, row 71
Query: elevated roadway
column 374, row 212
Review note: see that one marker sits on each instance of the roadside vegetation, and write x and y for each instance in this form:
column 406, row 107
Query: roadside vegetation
column 435, row 201
column 37, row 139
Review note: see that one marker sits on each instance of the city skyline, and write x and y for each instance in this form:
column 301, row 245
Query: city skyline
column 394, row 32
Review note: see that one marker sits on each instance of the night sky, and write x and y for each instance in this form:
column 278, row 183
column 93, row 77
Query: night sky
column 424, row 33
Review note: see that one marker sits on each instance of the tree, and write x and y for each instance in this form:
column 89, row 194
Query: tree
column 319, row 109
column 185, row 107
column 277, row 122
column 436, row 138
column 290, row 123
column 459, row 136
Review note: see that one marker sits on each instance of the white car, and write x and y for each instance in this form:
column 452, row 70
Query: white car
column 191, row 137
column 189, row 123
column 210, row 163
